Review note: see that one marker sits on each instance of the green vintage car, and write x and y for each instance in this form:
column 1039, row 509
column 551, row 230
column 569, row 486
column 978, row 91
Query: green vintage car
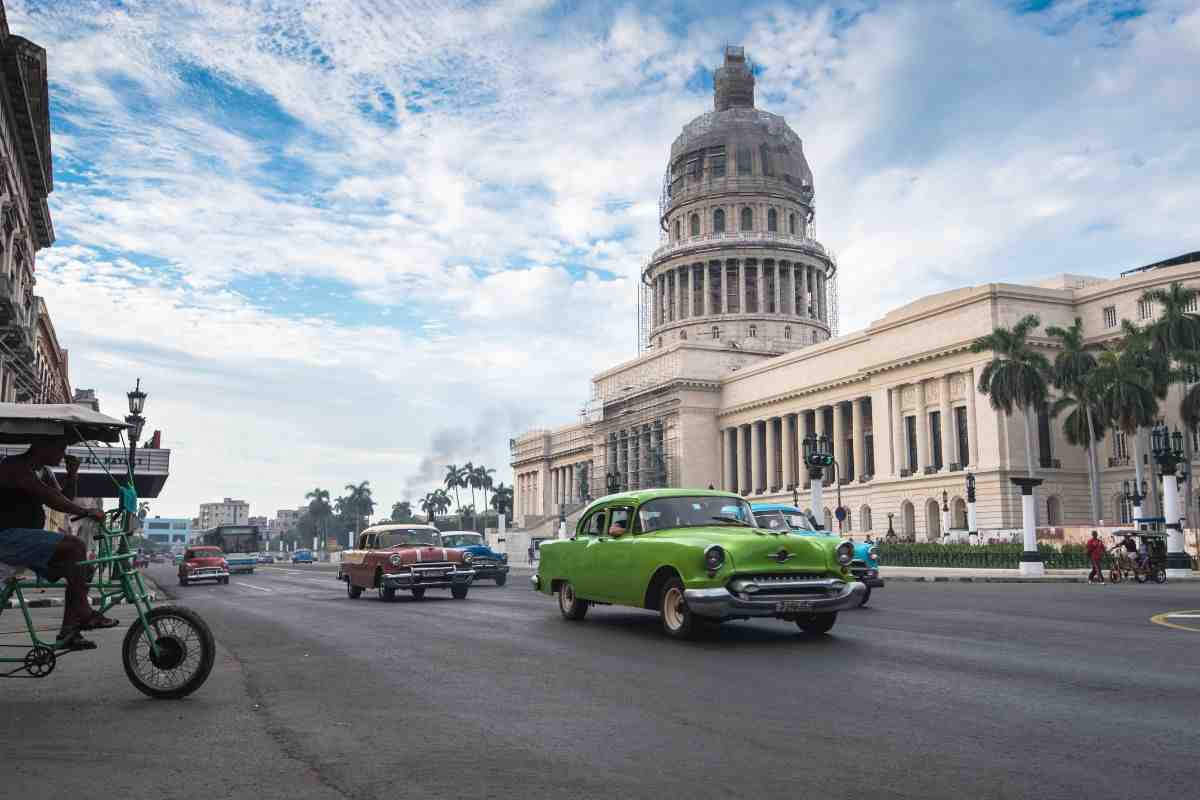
column 697, row 559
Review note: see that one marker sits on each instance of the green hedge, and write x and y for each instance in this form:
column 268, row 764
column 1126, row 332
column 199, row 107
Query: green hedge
column 985, row 556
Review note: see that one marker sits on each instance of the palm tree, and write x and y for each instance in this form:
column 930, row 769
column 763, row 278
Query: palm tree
column 431, row 504
column 468, row 480
column 1177, row 329
column 482, row 479
column 361, row 503
column 1073, row 367
column 320, row 509
column 443, row 500
column 402, row 511
column 502, row 498
column 455, row 479
column 1123, row 386
column 1014, row 378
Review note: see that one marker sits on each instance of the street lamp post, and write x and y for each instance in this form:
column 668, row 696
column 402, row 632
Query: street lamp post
column 817, row 456
column 1135, row 494
column 1167, row 450
column 972, row 520
column 945, row 514
column 136, row 422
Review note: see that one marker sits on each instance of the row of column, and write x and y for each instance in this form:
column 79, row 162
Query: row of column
column 770, row 287
column 637, row 458
column 767, row 455
column 915, row 451
column 564, row 483
column 526, row 499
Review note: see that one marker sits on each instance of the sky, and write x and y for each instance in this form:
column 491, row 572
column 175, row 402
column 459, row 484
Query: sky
column 346, row 240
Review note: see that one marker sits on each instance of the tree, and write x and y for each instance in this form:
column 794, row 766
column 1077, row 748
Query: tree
column 1123, row 386
column 320, row 509
column 402, row 511
column 360, row 504
column 481, row 478
column 1015, row 377
column 1176, row 329
column 502, row 498
column 455, row 479
column 1071, row 375
column 430, row 505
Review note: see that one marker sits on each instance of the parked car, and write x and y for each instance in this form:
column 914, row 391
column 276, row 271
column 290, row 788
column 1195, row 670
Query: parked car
column 486, row 562
column 266, row 558
column 203, row 564
column 697, row 559
column 782, row 516
column 409, row 557
column 302, row 557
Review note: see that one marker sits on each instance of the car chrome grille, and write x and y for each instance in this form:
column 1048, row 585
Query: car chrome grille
column 781, row 586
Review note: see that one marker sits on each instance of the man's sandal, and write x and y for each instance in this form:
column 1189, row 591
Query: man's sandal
column 98, row 622
column 72, row 639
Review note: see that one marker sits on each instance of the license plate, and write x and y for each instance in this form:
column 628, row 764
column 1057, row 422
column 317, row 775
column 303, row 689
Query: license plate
column 786, row 606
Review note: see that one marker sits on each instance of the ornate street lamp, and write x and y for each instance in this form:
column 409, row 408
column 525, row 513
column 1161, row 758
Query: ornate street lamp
column 137, row 423
column 817, row 456
column 945, row 514
column 972, row 520
column 1168, row 454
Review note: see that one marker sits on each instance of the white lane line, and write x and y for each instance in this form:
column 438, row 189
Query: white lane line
column 241, row 585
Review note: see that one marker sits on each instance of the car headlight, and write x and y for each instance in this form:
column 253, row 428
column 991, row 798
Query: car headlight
column 395, row 559
column 845, row 552
column 714, row 557
column 873, row 554
column 504, row 557
column 468, row 558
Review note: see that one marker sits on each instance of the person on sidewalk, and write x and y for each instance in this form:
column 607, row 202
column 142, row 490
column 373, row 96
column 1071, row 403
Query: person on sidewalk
column 24, row 541
column 1095, row 551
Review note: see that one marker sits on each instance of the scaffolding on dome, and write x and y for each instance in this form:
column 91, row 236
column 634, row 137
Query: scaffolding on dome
column 833, row 303
column 635, row 449
column 644, row 309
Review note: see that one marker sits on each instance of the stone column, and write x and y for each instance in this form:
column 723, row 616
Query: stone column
column 922, row 429
column 685, row 292
column 778, row 288
column 839, row 439
column 972, row 427
column 755, row 457
column 760, row 290
column 1031, row 559
column 740, row 442
column 788, row 425
column 899, row 449
column 705, row 302
column 946, row 423
column 772, row 452
column 724, row 449
column 724, row 298
column 860, row 438
column 741, row 273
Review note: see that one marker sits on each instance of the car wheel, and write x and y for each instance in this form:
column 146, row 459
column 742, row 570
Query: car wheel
column 387, row 594
column 501, row 579
column 817, row 624
column 183, row 581
column 418, row 593
column 866, row 597
column 677, row 619
column 1160, row 575
column 570, row 604
column 354, row 592
column 1141, row 577
column 459, row 591
column 225, row 580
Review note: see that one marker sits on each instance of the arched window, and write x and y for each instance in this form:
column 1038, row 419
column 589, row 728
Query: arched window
column 814, row 341
column 864, row 518
column 678, row 232
column 747, row 219
column 743, row 160
column 791, row 223
column 787, row 331
column 960, row 513
column 753, row 331
column 908, row 520
column 719, row 221
column 694, row 225
column 683, row 336
column 772, row 220
column 716, row 331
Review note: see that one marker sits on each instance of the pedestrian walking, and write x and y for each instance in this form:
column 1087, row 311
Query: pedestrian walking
column 1095, row 551
column 532, row 550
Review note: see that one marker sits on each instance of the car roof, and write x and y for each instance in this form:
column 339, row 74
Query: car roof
column 775, row 507
column 642, row 495
column 449, row 533
column 397, row 526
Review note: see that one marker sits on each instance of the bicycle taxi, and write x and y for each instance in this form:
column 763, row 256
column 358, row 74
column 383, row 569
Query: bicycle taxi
column 1150, row 566
column 168, row 651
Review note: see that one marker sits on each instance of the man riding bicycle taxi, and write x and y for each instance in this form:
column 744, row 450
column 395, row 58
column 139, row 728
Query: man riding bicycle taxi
column 27, row 486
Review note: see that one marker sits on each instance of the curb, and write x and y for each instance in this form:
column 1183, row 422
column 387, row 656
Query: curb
column 52, row 602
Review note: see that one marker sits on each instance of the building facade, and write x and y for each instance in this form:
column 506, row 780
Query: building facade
column 26, row 178
column 713, row 401
column 226, row 512
column 173, row 531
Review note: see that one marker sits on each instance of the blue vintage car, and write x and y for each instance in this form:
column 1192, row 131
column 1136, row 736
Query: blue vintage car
column 777, row 516
column 486, row 562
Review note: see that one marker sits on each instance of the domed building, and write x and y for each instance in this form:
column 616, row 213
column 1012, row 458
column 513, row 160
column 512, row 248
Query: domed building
column 739, row 263
column 741, row 360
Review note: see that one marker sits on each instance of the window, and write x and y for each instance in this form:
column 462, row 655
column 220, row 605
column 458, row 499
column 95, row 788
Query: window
column 618, row 521
column 693, row 168
column 869, row 454
column 910, row 435
column 935, row 436
column 864, row 518
column 678, row 230
column 964, row 444
column 732, row 301
column 1053, row 511
column 714, row 288
column 683, row 336
column 1120, row 450
column 772, row 220
column 791, row 223
column 716, row 331
column 1191, row 305
column 1045, row 451
column 747, row 219
column 751, row 288
column 1124, row 509
column 1110, row 316
column 694, row 225
column 1145, row 309
column 717, row 161
column 764, row 158
column 814, row 337
column 743, row 160
column 719, row 221
column 594, row 525
column 787, row 331
column 753, row 331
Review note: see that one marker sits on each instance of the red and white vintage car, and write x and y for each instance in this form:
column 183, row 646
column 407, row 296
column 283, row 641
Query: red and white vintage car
column 404, row 557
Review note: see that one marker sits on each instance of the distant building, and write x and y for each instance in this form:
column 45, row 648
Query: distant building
column 173, row 531
column 264, row 524
column 50, row 360
column 286, row 519
column 226, row 512
column 86, row 397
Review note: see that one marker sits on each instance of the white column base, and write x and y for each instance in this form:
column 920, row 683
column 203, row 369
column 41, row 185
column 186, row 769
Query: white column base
column 1033, row 569
column 1179, row 573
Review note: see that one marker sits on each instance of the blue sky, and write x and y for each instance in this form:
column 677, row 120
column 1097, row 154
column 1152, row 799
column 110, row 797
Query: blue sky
column 361, row 239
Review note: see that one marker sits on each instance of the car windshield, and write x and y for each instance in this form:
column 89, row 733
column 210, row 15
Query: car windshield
column 693, row 512
column 461, row 539
column 208, row 553
column 783, row 520
column 410, row 536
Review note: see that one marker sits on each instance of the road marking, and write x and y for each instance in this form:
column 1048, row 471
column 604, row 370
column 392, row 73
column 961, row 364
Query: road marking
column 1179, row 620
column 241, row 585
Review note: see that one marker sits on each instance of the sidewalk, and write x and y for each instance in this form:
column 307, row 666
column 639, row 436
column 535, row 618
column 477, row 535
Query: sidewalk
column 49, row 598
column 951, row 575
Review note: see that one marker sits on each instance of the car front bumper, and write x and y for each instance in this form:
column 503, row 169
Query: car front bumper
column 489, row 570
column 213, row 575
column 826, row 597
column 868, row 577
column 431, row 578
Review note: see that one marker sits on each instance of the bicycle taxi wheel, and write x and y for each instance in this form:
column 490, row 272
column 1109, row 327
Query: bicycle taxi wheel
column 171, row 655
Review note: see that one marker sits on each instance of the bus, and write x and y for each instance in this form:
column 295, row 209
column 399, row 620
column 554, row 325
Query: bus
column 239, row 543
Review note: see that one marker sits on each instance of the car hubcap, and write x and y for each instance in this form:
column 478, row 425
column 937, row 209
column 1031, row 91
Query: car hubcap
column 568, row 597
column 673, row 610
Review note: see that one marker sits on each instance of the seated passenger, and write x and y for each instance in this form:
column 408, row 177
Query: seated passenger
column 617, row 528
column 1143, row 555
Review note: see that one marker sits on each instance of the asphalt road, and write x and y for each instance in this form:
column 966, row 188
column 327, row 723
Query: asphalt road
column 937, row 690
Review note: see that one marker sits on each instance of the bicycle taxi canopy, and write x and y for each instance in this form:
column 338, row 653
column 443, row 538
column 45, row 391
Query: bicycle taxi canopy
column 21, row 422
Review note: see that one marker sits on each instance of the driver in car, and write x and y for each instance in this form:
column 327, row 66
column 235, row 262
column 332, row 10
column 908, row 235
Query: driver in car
column 25, row 542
